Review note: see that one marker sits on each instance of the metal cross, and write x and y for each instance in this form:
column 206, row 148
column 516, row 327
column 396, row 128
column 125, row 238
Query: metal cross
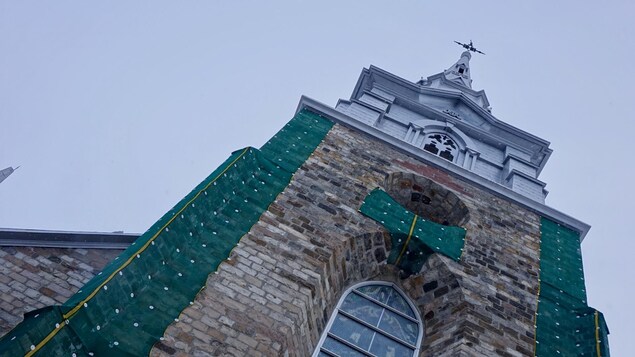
column 469, row 47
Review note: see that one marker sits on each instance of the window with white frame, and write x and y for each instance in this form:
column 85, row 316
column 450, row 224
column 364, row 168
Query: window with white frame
column 441, row 145
column 372, row 319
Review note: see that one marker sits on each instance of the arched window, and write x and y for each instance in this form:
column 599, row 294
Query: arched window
column 372, row 319
column 441, row 145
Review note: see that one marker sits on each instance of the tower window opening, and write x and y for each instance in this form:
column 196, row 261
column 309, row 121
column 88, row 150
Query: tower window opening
column 461, row 70
column 427, row 199
column 441, row 145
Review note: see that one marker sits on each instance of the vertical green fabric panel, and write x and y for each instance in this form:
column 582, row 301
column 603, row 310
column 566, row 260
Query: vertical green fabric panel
column 603, row 335
column 561, row 259
column 565, row 325
column 125, row 309
column 427, row 237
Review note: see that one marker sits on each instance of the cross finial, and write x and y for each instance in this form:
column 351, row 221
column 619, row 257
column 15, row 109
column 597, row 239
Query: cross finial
column 470, row 47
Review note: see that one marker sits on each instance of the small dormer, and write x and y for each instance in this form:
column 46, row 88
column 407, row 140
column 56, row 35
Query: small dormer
column 460, row 72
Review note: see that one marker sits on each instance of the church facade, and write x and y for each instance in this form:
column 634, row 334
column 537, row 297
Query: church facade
column 405, row 221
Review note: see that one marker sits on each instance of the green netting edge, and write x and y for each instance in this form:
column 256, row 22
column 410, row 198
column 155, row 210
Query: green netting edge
column 413, row 238
column 126, row 308
column 565, row 324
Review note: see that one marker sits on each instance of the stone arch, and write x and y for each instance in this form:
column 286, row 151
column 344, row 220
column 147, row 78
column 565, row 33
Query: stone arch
column 438, row 294
column 360, row 258
column 392, row 321
column 427, row 198
column 436, row 290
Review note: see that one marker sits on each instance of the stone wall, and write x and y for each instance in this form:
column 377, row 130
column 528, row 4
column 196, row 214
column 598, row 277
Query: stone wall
column 276, row 292
column 32, row 278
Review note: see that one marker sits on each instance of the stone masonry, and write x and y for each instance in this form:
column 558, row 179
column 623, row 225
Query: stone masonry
column 32, row 278
column 276, row 292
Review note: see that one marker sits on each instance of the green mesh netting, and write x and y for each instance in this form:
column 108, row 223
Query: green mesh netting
column 565, row 325
column 126, row 308
column 413, row 238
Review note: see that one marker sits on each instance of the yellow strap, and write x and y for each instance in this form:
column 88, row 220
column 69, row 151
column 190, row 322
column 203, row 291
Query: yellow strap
column 74, row 310
column 46, row 339
column 412, row 228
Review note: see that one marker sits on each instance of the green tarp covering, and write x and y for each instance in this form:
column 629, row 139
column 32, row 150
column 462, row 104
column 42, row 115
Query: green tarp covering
column 414, row 238
column 126, row 308
column 565, row 325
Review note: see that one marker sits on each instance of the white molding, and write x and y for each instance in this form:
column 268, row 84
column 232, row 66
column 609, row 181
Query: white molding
column 374, row 76
column 453, row 169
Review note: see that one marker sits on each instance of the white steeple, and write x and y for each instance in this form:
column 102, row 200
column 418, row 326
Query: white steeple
column 460, row 71
column 442, row 115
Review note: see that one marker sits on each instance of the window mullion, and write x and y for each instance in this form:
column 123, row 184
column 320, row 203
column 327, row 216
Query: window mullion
column 343, row 341
column 392, row 309
column 332, row 354
column 396, row 339
column 376, row 328
column 358, row 320
column 378, row 322
column 372, row 339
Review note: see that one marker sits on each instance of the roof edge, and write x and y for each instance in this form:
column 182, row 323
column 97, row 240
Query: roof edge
column 15, row 237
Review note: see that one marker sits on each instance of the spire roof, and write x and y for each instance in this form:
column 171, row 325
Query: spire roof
column 459, row 72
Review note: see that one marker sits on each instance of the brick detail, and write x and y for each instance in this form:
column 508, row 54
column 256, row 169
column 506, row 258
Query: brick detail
column 275, row 294
column 32, row 278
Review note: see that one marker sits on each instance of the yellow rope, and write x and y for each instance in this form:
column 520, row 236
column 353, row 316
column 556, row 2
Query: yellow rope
column 73, row 311
column 46, row 339
column 412, row 228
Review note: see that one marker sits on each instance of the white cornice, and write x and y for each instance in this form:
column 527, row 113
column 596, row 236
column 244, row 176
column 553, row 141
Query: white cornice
column 456, row 95
column 497, row 189
column 483, row 134
column 373, row 73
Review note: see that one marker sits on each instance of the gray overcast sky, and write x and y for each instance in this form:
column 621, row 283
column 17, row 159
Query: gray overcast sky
column 117, row 110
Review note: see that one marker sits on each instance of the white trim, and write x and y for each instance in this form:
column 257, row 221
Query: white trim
column 452, row 169
column 407, row 137
column 375, row 77
column 416, row 137
column 348, row 291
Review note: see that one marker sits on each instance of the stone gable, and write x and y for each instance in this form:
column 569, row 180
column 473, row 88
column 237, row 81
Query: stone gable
column 276, row 292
